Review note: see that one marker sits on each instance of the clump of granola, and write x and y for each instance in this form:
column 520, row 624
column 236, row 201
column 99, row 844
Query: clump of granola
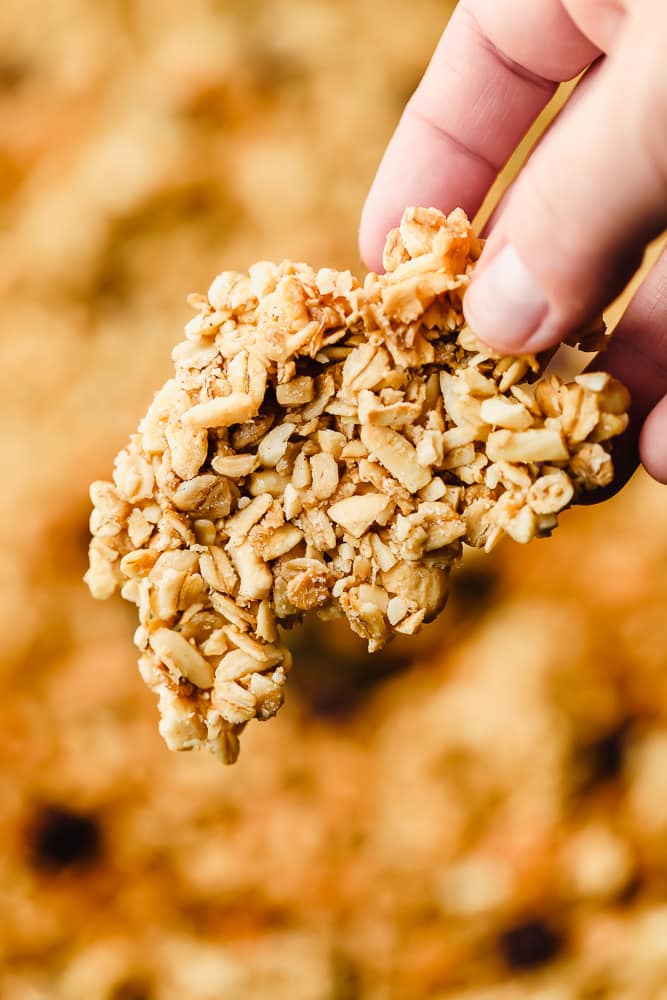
column 329, row 446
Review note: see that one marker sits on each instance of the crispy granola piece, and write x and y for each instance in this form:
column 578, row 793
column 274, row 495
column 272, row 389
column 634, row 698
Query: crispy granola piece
column 328, row 447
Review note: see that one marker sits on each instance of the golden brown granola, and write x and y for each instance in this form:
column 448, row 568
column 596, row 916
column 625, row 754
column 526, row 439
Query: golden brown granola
column 329, row 446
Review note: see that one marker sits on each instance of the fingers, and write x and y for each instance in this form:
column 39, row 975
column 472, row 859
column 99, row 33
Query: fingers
column 583, row 87
column 637, row 356
column 600, row 21
column 653, row 442
column 584, row 207
column 494, row 70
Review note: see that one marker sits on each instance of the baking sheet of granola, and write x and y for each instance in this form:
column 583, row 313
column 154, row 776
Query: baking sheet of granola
column 478, row 811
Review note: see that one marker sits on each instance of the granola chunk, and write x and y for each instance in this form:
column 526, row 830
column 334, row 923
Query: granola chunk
column 329, row 446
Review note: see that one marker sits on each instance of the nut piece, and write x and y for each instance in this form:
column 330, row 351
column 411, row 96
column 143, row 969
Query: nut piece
column 221, row 412
column 255, row 577
column 544, row 445
column 324, row 475
column 397, row 455
column 311, row 588
column 550, row 493
column 503, row 412
column 327, row 447
column 235, row 466
column 425, row 586
column 300, row 390
column 357, row 513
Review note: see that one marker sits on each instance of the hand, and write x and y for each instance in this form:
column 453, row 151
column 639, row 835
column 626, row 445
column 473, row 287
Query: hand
column 573, row 227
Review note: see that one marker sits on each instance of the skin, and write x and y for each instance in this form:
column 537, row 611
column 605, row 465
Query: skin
column 572, row 230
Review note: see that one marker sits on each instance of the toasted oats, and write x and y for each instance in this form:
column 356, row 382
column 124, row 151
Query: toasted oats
column 234, row 702
column 181, row 658
column 326, row 446
column 280, row 541
column 397, row 455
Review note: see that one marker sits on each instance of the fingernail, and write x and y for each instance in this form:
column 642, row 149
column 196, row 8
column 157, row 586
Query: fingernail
column 505, row 305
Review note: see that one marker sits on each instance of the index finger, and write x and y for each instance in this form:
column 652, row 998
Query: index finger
column 495, row 68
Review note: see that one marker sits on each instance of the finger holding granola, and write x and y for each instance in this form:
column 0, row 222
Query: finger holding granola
column 586, row 204
column 495, row 68
column 574, row 227
column 637, row 356
column 327, row 446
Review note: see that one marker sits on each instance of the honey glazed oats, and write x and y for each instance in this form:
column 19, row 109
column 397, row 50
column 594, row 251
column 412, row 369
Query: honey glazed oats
column 329, row 446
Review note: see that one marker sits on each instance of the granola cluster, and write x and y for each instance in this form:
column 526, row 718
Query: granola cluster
column 329, row 446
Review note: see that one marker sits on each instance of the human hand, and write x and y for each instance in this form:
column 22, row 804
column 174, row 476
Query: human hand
column 573, row 228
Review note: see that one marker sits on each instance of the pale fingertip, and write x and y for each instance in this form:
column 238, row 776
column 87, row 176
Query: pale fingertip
column 505, row 305
column 370, row 250
column 653, row 442
column 373, row 229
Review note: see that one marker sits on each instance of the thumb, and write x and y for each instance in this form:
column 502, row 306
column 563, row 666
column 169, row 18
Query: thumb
column 582, row 210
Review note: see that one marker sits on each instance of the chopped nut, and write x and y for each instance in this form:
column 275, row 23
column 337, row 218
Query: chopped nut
column 365, row 367
column 222, row 411
column 311, row 588
column 324, row 475
column 104, row 575
column 357, row 513
column 503, row 412
column 457, row 457
column 397, row 455
column 272, row 447
column 181, row 726
column 267, row 481
column 133, row 477
column 239, row 525
column 609, row 425
column 255, row 577
column 397, row 608
column 300, row 390
column 539, row 445
column 318, row 530
column 204, row 531
column 235, row 466
column 550, row 493
column 430, row 449
column 427, row 586
column 268, row 692
column 613, row 397
column 188, row 449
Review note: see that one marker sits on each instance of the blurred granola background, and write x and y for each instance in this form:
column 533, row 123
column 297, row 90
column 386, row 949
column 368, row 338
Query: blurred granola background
column 480, row 812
